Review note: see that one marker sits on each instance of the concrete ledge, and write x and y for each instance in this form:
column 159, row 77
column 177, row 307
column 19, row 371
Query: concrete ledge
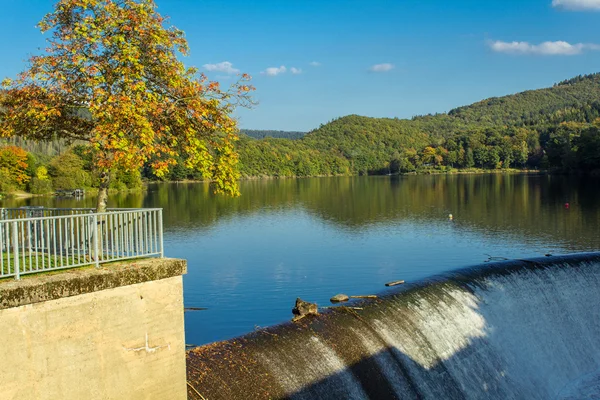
column 56, row 285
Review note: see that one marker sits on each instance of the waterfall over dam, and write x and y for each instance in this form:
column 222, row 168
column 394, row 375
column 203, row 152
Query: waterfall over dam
column 526, row 329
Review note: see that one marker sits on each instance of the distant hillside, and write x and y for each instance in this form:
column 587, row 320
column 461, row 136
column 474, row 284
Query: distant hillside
column 258, row 134
column 580, row 96
column 545, row 128
column 554, row 128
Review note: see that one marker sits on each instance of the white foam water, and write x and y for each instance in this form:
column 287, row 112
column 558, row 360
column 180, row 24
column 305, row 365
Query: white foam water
column 310, row 362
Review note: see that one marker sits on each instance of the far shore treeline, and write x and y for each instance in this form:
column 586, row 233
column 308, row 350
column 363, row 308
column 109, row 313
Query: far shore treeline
column 555, row 129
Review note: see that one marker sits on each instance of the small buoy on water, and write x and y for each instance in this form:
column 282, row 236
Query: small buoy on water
column 450, row 217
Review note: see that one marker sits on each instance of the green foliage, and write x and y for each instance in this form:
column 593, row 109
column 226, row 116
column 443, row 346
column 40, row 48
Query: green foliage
column 40, row 183
column 7, row 184
column 70, row 170
column 588, row 148
column 41, row 173
column 577, row 100
column 40, row 186
column 126, row 180
column 67, row 172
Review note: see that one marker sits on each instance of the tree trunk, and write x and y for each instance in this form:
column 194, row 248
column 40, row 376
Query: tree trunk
column 103, row 192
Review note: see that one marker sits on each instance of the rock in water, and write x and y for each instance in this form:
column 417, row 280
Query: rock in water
column 395, row 283
column 339, row 298
column 304, row 308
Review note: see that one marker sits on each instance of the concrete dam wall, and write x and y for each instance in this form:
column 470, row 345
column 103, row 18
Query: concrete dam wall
column 109, row 333
column 512, row 330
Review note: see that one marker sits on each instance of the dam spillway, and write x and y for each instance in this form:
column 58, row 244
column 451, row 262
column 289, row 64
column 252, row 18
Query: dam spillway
column 525, row 329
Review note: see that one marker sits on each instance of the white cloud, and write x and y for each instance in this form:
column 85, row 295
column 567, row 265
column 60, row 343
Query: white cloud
column 386, row 67
column 274, row 71
column 577, row 5
column 295, row 71
column 315, row 64
column 558, row 48
column 225, row 67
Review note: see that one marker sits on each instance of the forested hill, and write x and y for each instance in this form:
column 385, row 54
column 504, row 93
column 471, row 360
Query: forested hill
column 577, row 95
column 261, row 134
column 546, row 128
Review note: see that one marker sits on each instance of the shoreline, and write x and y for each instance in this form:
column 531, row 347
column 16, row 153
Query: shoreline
column 476, row 171
column 416, row 173
column 89, row 191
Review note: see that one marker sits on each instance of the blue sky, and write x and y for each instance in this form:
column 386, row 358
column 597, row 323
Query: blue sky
column 376, row 58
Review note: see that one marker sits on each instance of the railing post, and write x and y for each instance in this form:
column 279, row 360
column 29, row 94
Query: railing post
column 160, row 233
column 96, row 230
column 15, row 237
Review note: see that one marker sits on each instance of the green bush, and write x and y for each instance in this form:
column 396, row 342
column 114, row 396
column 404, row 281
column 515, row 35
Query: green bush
column 40, row 186
column 67, row 171
column 125, row 180
column 7, row 183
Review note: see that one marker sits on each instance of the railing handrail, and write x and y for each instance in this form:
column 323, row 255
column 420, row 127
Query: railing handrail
column 33, row 244
column 35, row 208
column 114, row 210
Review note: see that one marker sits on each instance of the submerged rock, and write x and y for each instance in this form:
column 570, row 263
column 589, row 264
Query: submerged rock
column 304, row 308
column 339, row 298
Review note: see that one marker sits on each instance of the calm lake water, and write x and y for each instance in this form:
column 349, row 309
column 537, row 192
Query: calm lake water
column 249, row 258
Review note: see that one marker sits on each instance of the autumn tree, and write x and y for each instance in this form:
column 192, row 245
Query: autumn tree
column 111, row 77
column 14, row 164
column 429, row 155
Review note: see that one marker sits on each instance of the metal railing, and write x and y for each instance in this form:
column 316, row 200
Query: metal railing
column 33, row 211
column 36, row 240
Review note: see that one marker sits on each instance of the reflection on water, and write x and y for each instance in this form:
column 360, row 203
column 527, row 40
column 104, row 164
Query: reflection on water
column 249, row 258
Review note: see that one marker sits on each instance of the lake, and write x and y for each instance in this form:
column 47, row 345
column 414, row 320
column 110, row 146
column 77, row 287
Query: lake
column 250, row 257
